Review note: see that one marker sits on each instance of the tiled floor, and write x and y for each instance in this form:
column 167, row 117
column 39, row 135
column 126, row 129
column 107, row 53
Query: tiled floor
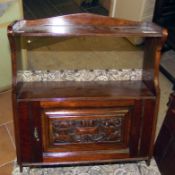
column 7, row 143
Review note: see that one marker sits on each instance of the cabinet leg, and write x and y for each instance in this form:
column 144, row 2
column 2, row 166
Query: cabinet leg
column 21, row 168
column 148, row 162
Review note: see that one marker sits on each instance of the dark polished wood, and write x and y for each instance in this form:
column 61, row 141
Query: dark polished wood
column 66, row 123
column 84, row 25
column 79, row 90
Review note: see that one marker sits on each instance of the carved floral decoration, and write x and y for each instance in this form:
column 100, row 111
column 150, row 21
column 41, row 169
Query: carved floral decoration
column 87, row 131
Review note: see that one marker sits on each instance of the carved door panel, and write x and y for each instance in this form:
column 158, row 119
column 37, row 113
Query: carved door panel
column 86, row 130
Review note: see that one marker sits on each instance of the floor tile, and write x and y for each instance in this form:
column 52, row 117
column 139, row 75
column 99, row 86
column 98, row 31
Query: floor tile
column 7, row 151
column 5, row 107
column 10, row 127
column 6, row 169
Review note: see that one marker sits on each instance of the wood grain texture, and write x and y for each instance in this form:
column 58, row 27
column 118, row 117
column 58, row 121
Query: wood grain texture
column 83, row 24
column 79, row 90
column 30, row 148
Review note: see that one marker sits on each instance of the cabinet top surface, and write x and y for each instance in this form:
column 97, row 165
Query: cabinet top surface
column 84, row 24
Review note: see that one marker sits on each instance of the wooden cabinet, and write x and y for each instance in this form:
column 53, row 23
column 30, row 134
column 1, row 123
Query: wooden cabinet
column 82, row 122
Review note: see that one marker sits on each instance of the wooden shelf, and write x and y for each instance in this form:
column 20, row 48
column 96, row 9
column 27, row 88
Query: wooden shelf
column 33, row 91
column 84, row 25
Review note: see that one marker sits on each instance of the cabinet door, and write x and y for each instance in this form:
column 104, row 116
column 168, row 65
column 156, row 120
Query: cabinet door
column 28, row 132
column 86, row 134
column 68, row 135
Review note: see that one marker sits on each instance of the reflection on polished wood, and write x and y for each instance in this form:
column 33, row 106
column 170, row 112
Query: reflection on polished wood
column 84, row 24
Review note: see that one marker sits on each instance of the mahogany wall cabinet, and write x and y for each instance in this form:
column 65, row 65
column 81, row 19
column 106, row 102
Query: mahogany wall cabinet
column 66, row 123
